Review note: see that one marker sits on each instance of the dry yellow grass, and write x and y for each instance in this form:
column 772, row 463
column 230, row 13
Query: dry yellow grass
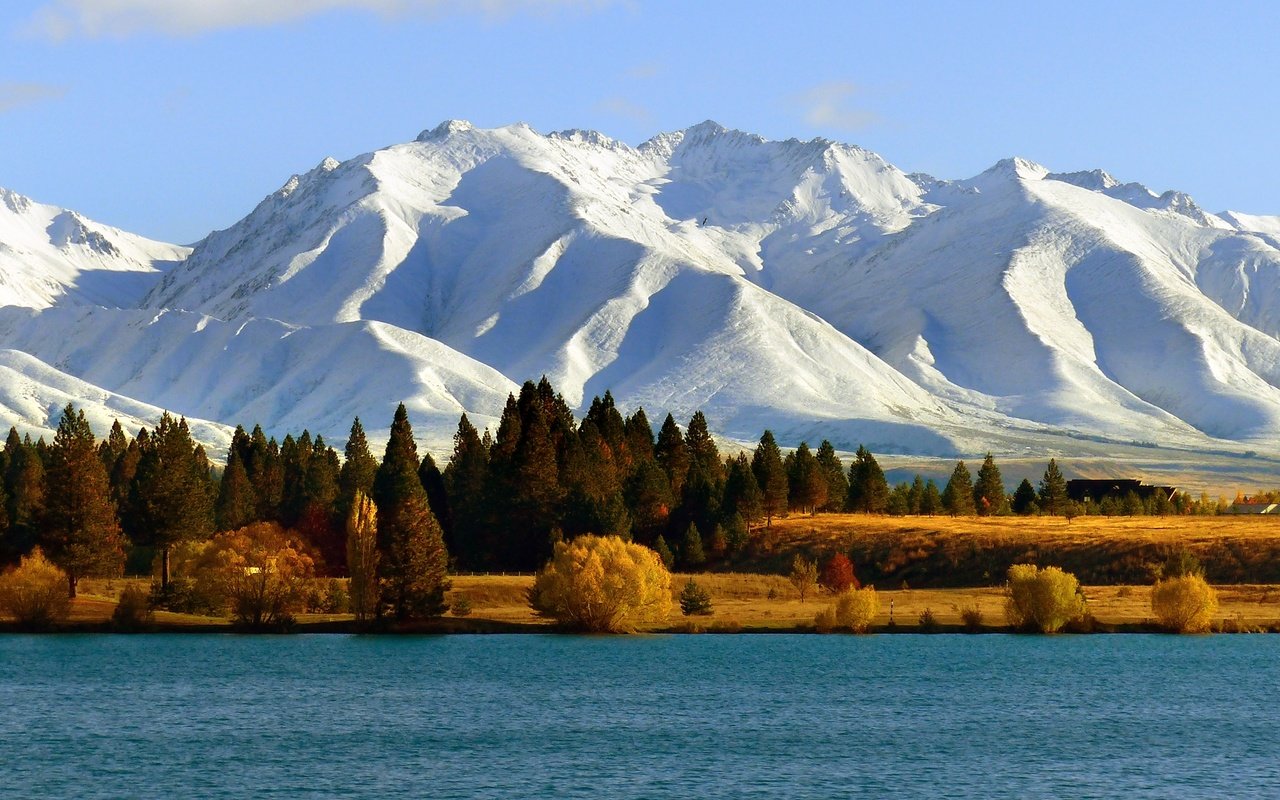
column 746, row 601
column 940, row 551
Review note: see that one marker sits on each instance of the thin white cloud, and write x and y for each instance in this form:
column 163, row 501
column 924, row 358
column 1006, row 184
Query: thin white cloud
column 643, row 72
column 17, row 95
column 66, row 19
column 622, row 107
column 831, row 106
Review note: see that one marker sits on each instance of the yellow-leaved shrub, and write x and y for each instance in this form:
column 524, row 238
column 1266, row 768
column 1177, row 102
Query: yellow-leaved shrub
column 603, row 584
column 1185, row 604
column 853, row 610
column 35, row 593
column 1042, row 599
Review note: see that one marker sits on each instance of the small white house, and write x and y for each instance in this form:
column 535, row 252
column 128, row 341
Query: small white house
column 1253, row 508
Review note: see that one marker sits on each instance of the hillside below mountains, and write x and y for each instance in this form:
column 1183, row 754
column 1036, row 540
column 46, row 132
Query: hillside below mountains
column 808, row 287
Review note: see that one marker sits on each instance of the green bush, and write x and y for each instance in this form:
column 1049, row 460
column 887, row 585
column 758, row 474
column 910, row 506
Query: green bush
column 694, row 600
column 133, row 610
column 972, row 619
column 928, row 621
column 1042, row 600
column 185, row 596
column 461, row 606
column 825, row 620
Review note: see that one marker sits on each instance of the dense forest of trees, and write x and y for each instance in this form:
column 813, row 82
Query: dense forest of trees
column 500, row 502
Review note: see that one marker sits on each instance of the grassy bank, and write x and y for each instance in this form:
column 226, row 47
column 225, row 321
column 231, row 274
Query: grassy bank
column 741, row 602
column 939, row 552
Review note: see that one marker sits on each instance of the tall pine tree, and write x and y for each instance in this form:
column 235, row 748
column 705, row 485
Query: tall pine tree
column 837, row 481
column 957, row 497
column 988, row 493
column 771, row 476
column 465, row 478
column 171, row 499
column 81, row 532
column 1053, row 490
column 414, row 563
column 358, row 469
column 868, row 489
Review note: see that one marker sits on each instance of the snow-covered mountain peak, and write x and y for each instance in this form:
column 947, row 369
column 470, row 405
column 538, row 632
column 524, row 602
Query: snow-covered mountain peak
column 1016, row 168
column 446, row 128
column 806, row 286
column 1096, row 180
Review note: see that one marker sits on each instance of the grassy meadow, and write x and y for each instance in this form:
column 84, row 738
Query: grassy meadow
column 938, row 564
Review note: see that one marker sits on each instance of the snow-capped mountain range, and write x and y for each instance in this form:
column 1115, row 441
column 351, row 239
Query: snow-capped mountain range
column 808, row 287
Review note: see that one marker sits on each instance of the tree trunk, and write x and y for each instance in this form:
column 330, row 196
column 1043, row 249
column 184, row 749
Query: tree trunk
column 71, row 586
column 164, row 568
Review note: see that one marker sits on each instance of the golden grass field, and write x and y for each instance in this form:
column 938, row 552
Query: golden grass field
column 975, row 551
column 763, row 599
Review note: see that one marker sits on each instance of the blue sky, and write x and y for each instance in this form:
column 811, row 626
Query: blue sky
column 174, row 117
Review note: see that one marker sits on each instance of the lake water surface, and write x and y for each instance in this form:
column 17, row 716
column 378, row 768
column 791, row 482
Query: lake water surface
column 716, row 716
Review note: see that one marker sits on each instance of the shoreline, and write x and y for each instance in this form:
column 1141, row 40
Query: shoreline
column 486, row 627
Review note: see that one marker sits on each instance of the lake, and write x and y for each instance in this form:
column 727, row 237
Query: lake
column 714, row 716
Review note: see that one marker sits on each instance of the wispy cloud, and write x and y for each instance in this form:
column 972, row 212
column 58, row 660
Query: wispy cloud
column 622, row 107
column 17, row 95
column 643, row 72
column 66, row 19
column 832, row 106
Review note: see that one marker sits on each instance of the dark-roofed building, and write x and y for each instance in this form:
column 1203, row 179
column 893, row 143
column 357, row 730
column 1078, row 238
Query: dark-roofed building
column 1095, row 491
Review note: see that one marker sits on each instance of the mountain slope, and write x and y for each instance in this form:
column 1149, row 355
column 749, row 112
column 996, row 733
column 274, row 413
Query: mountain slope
column 810, row 287
column 50, row 255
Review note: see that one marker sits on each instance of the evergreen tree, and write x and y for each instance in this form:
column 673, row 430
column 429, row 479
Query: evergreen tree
column 664, row 552
column 771, row 476
column 741, row 492
column 319, row 521
column 931, row 500
column 237, row 505
column 915, row 495
column 465, row 478
column 122, row 474
column 899, row 503
column 414, row 566
column 25, row 489
column 358, row 469
column 868, row 489
column 612, row 428
column 691, row 553
column 397, row 475
column 437, row 496
column 113, row 447
column 837, row 481
column 988, row 493
column 704, row 456
column 534, row 505
column 1024, row 498
column 639, row 437
column 719, row 544
column 81, row 532
column 1053, row 490
column 170, row 499
column 673, row 455
column 266, row 473
column 648, row 496
column 807, row 485
column 414, row 562
column 957, row 497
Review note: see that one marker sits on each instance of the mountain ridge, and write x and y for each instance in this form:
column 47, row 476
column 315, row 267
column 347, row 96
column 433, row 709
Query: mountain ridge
column 806, row 286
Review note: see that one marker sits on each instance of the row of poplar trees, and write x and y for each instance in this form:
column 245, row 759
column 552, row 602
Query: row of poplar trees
column 499, row 503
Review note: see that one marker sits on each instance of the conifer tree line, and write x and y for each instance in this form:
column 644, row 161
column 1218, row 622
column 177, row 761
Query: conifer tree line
column 499, row 503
